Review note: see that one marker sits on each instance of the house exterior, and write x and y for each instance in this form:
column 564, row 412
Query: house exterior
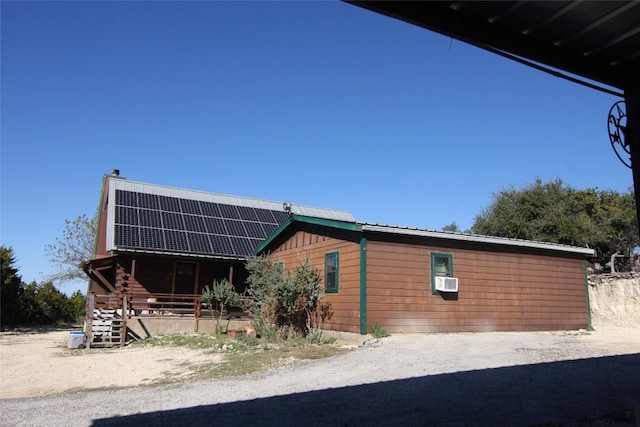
column 410, row 280
column 158, row 246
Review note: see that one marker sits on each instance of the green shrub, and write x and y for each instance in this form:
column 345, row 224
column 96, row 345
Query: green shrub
column 290, row 302
column 378, row 331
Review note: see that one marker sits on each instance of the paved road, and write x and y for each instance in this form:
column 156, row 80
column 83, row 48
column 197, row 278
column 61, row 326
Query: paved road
column 488, row 379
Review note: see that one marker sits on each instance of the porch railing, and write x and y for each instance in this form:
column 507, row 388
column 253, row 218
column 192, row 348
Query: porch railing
column 158, row 305
column 185, row 305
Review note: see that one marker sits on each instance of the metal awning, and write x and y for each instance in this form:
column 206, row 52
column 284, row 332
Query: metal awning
column 596, row 42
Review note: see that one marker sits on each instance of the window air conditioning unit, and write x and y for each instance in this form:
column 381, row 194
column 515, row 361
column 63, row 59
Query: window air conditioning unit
column 446, row 284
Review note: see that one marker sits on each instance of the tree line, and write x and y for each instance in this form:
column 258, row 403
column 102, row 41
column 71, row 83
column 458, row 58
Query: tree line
column 33, row 303
column 555, row 212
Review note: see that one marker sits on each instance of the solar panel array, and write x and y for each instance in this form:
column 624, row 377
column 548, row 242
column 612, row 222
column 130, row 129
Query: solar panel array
column 170, row 224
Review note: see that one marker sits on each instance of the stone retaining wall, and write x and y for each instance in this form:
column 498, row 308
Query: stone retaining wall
column 615, row 296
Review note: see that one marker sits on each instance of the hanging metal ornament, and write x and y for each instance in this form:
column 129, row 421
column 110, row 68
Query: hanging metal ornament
column 617, row 123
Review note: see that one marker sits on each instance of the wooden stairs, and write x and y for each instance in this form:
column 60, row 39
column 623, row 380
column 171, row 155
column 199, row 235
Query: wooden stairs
column 108, row 329
column 105, row 325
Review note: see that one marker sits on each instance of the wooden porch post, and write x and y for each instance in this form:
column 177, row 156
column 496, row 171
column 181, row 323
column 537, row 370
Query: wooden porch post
column 123, row 330
column 133, row 268
column 231, row 275
column 91, row 302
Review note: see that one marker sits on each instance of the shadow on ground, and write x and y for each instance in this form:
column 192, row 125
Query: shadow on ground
column 567, row 393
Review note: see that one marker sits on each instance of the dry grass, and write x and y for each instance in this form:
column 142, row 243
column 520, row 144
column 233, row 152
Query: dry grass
column 239, row 357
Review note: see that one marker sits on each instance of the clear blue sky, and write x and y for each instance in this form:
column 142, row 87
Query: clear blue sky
column 316, row 103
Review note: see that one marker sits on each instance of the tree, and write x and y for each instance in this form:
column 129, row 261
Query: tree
column 12, row 288
column 555, row 212
column 73, row 249
column 33, row 303
column 453, row 227
column 44, row 304
column 222, row 292
column 287, row 301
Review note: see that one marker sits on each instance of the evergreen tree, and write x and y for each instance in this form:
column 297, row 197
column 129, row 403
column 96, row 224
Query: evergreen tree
column 12, row 288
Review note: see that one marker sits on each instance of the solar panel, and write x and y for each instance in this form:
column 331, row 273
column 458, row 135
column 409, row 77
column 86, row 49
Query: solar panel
column 265, row 216
column 152, row 238
column 172, row 221
column 199, row 243
column 222, row 246
column 269, row 229
column 176, row 240
column 160, row 222
column 254, row 229
column 235, row 228
column 149, row 218
column 210, row 209
column 194, row 223
column 248, row 214
column 170, row 204
column 281, row 217
column 127, row 236
column 255, row 243
column 190, row 206
column 126, row 198
column 215, row 226
column 240, row 246
column 229, row 211
column 148, row 201
column 125, row 215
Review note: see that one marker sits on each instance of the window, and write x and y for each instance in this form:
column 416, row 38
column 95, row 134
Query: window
column 331, row 272
column 441, row 265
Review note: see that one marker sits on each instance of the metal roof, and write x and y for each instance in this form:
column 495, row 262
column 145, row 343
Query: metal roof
column 476, row 238
column 371, row 227
column 598, row 40
column 149, row 218
column 139, row 187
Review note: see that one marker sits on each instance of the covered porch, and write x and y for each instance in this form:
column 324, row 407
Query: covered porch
column 133, row 297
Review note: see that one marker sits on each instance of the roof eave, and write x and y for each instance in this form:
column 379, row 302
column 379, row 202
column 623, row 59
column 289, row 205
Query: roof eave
column 476, row 238
column 179, row 254
column 343, row 225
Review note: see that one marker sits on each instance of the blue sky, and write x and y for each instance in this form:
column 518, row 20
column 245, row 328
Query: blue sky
column 315, row 103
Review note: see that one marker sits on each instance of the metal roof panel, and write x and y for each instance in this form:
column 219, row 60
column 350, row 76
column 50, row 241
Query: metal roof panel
column 477, row 238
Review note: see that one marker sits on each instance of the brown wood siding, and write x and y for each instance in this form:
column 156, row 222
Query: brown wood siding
column 345, row 304
column 497, row 291
column 101, row 243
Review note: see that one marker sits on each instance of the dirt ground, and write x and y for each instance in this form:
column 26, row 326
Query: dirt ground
column 38, row 362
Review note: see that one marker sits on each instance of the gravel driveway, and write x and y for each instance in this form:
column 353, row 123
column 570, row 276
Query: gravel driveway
column 485, row 379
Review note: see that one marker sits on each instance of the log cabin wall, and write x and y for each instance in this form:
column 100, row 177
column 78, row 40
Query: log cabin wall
column 155, row 274
column 315, row 242
column 498, row 291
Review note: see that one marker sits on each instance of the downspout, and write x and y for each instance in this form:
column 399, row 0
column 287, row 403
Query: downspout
column 363, row 285
column 586, row 289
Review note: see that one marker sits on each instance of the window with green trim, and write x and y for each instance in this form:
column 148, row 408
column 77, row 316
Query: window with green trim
column 441, row 265
column 331, row 272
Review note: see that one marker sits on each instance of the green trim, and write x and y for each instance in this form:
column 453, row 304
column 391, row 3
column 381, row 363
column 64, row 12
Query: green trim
column 363, row 285
column 586, row 289
column 273, row 235
column 343, row 225
column 350, row 226
column 326, row 257
column 433, row 269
